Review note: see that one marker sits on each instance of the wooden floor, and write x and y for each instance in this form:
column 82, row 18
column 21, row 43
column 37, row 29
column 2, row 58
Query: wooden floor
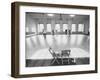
column 37, row 54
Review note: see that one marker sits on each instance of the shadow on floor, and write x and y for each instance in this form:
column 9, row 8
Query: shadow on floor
column 48, row 62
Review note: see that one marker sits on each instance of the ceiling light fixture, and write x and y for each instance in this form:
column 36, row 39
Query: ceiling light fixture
column 72, row 15
column 50, row 15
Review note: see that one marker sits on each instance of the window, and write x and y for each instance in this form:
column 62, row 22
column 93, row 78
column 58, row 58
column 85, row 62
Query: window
column 57, row 27
column 81, row 28
column 48, row 27
column 73, row 27
column 34, row 29
column 40, row 28
column 65, row 26
column 27, row 29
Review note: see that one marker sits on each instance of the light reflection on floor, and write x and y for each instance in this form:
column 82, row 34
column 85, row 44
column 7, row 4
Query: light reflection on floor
column 39, row 43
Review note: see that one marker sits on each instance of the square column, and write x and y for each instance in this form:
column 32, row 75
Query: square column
column 36, row 27
column 69, row 26
column 61, row 26
column 77, row 27
column 52, row 26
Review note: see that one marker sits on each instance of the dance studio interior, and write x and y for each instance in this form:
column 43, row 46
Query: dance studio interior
column 53, row 39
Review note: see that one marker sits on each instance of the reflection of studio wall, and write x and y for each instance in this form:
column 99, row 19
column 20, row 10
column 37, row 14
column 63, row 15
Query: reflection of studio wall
column 30, row 24
column 86, row 29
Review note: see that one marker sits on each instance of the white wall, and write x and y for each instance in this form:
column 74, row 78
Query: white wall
column 30, row 23
column 86, row 24
column 5, row 40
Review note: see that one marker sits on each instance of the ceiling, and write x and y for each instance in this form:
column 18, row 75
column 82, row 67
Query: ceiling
column 41, row 17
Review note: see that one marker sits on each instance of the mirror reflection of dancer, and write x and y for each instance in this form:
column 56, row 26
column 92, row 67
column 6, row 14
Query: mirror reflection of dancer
column 53, row 32
column 66, row 31
column 44, row 33
column 69, row 32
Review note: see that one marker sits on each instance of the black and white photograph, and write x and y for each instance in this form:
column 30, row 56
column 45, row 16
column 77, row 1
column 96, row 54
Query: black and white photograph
column 56, row 39
column 51, row 39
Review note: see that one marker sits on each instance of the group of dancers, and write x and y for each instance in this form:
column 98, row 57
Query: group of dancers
column 67, row 32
